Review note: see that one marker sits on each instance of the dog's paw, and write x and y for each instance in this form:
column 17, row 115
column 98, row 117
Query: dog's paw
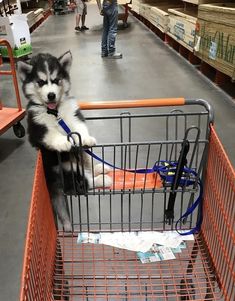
column 88, row 141
column 62, row 144
column 101, row 169
column 103, row 181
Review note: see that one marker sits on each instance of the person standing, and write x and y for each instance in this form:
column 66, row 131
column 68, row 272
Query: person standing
column 109, row 10
column 81, row 12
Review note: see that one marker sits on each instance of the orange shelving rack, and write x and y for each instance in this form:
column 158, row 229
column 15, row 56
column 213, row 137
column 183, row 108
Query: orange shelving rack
column 11, row 117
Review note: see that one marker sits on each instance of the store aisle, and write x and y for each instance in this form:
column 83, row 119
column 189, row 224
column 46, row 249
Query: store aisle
column 149, row 69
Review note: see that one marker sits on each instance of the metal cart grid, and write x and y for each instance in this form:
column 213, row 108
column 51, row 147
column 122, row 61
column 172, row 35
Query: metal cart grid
column 56, row 268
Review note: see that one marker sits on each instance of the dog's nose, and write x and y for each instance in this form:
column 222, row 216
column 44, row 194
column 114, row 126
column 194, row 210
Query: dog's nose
column 51, row 96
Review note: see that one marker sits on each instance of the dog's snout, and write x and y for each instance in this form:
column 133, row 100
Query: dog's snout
column 51, row 96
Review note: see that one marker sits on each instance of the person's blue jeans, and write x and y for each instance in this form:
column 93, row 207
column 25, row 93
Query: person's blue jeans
column 110, row 23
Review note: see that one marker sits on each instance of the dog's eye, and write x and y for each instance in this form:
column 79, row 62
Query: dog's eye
column 41, row 82
column 56, row 81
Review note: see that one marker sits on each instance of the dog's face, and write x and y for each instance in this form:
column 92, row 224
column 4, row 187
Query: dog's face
column 46, row 78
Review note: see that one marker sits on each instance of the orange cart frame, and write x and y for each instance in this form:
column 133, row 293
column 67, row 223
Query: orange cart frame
column 11, row 117
column 105, row 273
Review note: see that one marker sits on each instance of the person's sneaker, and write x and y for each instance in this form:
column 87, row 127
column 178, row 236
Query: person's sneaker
column 115, row 55
column 104, row 54
column 77, row 29
column 84, row 28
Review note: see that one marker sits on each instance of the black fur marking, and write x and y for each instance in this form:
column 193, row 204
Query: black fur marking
column 36, row 131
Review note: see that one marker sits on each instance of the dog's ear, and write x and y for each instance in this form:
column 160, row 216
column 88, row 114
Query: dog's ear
column 66, row 60
column 23, row 69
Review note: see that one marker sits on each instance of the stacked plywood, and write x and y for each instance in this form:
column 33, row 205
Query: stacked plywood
column 34, row 16
column 138, row 5
column 182, row 25
column 30, row 18
column 145, row 10
column 135, row 6
column 222, row 13
column 198, row 2
column 216, row 36
column 159, row 15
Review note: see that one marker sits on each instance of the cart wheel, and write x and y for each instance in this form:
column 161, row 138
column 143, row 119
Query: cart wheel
column 19, row 130
column 125, row 24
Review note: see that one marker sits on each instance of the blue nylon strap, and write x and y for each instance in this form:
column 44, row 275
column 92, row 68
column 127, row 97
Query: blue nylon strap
column 164, row 173
column 142, row 170
column 64, row 125
column 189, row 211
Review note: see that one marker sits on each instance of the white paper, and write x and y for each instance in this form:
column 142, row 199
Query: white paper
column 135, row 241
column 165, row 253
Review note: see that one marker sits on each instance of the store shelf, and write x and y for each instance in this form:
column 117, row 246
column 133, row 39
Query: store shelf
column 220, row 73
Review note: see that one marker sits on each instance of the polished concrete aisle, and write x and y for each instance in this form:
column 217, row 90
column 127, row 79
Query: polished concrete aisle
column 149, row 69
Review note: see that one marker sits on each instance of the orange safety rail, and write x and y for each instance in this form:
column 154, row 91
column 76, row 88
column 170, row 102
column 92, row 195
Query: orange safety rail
column 40, row 245
column 219, row 215
column 141, row 103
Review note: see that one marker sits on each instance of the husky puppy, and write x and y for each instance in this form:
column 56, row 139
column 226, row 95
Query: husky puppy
column 46, row 85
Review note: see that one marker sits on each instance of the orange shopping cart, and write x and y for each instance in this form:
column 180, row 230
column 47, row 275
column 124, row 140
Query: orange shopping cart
column 11, row 117
column 178, row 144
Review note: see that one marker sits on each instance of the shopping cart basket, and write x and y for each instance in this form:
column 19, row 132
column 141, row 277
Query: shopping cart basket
column 57, row 268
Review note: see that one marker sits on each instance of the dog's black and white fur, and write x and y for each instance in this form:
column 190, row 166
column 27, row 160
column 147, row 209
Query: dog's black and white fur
column 46, row 85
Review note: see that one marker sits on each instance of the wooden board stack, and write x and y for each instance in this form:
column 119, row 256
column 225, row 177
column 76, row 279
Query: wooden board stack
column 215, row 38
column 182, row 25
column 198, row 2
column 34, row 16
column 159, row 15
column 138, row 6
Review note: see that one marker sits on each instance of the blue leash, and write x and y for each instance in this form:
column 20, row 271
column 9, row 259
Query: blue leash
column 166, row 171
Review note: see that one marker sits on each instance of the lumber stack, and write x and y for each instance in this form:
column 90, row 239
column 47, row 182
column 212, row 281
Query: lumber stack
column 145, row 10
column 138, row 6
column 215, row 37
column 198, row 2
column 34, row 16
column 159, row 15
column 182, row 25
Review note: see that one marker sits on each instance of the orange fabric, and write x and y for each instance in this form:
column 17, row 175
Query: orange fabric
column 128, row 180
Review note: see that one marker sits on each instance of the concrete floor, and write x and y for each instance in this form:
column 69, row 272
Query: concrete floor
column 149, row 69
